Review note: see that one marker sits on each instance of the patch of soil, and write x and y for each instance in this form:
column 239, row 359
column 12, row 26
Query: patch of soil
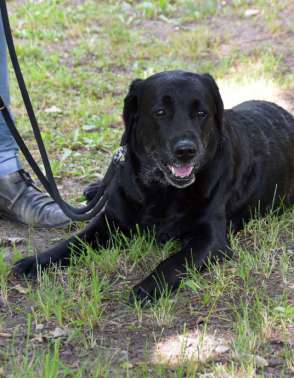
column 29, row 240
column 158, row 29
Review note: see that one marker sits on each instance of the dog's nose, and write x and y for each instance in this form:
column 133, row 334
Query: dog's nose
column 184, row 149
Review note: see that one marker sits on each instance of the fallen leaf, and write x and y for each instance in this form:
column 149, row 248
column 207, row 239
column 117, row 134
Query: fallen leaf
column 58, row 332
column 251, row 12
column 89, row 127
column 260, row 362
column 53, row 109
column 222, row 349
column 5, row 334
column 20, row 289
column 39, row 339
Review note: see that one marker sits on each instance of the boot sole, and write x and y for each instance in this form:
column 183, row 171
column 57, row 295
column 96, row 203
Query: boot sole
column 12, row 218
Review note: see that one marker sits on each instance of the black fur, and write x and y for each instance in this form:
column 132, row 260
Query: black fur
column 192, row 171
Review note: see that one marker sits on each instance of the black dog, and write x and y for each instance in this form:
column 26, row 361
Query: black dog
column 191, row 172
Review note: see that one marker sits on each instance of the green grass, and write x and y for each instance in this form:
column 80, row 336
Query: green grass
column 78, row 59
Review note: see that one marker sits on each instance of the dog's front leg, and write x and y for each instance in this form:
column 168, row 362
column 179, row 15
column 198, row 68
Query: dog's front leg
column 96, row 233
column 210, row 243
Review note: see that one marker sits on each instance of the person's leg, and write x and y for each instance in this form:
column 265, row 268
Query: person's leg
column 9, row 161
column 20, row 200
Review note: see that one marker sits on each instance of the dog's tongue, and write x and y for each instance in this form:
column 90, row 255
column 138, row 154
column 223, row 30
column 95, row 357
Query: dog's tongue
column 182, row 170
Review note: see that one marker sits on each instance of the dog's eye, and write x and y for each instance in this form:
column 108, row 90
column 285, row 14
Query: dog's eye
column 160, row 113
column 201, row 114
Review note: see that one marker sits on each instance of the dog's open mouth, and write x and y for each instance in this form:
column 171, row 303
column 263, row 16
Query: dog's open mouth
column 181, row 171
column 180, row 175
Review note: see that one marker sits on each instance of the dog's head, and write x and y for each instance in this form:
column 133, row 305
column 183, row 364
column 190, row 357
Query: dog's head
column 173, row 123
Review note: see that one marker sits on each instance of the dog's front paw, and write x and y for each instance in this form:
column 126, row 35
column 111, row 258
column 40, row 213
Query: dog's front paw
column 145, row 292
column 27, row 266
column 30, row 266
column 153, row 287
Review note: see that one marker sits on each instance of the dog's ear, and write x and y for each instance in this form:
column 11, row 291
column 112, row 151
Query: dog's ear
column 130, row 110
column 219, row 106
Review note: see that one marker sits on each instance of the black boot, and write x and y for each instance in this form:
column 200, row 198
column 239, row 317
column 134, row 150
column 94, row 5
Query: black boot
column 21, row 201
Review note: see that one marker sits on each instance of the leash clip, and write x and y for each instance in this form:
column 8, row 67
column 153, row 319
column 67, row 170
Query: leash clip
column 120, row 155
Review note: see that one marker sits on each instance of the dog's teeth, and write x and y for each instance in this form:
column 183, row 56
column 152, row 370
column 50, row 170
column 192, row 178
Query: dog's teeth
column 181, row 171
column 172, row 169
